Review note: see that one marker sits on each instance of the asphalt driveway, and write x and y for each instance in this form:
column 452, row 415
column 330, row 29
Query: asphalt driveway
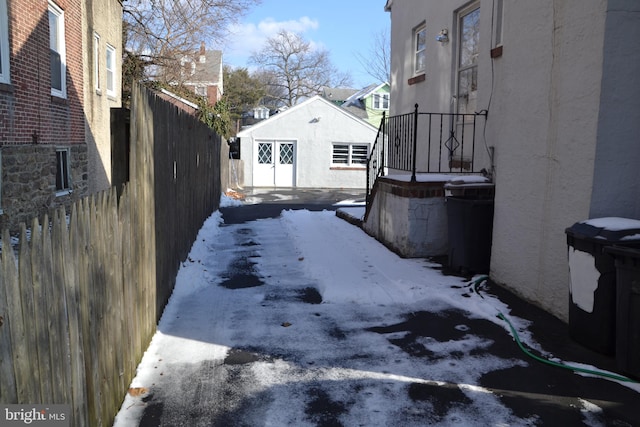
column 303, row 320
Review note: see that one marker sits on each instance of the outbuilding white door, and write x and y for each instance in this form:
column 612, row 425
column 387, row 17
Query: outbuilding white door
column 274, row 164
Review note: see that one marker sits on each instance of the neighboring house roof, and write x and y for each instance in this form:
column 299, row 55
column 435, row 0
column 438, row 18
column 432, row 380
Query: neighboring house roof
column 204, row 68
column 178, row 101
column 290, row 110
column 355, row 100
column 337, row 94
column 207, row 68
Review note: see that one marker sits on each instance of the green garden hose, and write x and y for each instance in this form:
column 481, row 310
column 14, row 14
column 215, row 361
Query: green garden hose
column 482, row 279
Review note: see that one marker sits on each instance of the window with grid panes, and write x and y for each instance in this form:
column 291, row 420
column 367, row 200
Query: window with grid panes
column 286, row 154
column 264, row 153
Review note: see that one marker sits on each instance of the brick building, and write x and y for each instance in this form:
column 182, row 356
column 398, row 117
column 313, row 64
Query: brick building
column 43, row 125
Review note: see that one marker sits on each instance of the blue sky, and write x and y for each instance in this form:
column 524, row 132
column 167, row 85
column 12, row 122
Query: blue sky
column 342, row 27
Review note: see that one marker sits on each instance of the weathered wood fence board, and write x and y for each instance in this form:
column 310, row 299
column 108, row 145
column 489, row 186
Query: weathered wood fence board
column 80, row 303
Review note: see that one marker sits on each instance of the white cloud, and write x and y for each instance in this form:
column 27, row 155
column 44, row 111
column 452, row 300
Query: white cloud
column 270, row 26
column 247, row 37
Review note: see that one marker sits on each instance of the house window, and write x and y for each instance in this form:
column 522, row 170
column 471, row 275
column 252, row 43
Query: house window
column 381, row 101
column 4, row 44
column 96, row 61
column 467, row 70
column 63, row 175
column 57, row 48
column 498, row 22
column 111, row 70
column 420, row 45
column 350, row 154
column 201, row 90
column 1, row 211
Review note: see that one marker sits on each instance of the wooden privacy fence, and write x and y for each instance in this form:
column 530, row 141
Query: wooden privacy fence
column 81, row 294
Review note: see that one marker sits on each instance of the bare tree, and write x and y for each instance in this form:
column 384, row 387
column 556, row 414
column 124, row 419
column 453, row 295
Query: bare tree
column 377, row 62
column 296, row 71
column 160, row 32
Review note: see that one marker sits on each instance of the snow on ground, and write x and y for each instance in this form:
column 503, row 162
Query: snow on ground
column 361, row 282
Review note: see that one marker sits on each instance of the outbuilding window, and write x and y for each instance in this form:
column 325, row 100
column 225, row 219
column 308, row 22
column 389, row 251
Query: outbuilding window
column 346, row 154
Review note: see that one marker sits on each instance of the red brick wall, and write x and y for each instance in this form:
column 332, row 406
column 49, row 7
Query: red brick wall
column 28, row 112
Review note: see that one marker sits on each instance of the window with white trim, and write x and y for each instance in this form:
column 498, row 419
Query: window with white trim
column 498, row 22
column 201, row 90
column 4, row 44
column 468, row 54
column 420, row 49
column 349, row 154
column 111, row 70
column 57, row 48
column 381, row 101
column 96, row 61
column 63, row 171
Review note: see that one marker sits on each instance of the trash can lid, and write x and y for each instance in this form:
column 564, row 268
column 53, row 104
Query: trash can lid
column 610, row 229
column 470, row 188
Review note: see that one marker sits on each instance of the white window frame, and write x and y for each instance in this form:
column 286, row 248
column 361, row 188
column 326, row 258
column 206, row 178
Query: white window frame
column 63, row 170
column 418, row 51
column 5, row 68
column 201, row 91
column 498, row 23
column 110, row 68
column 464, row 102
column 59, row 48
column 380, row 101
column 351, row 159
column 96, row 62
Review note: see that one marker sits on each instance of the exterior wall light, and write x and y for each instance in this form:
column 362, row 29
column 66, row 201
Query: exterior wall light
column 443, row 36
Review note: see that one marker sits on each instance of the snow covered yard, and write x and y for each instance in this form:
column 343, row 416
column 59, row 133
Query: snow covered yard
column 306, row 320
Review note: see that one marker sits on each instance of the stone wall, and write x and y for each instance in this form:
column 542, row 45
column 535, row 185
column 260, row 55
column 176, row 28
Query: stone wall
column 29, row 182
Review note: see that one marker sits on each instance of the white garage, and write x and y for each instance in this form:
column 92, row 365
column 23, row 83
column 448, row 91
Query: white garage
column 314, row 144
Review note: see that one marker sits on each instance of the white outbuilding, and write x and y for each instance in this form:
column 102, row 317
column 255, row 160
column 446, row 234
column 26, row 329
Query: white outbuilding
column 314, row 144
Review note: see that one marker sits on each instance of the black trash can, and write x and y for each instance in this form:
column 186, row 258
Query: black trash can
column 592, row 279
column 470, row 227
column 627, row 263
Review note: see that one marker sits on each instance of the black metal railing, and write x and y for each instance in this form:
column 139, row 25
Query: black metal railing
column 375, row 163
column 426, row 143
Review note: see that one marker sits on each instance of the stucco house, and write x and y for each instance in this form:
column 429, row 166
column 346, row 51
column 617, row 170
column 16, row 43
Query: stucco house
column 314, row 144
column 102, row 69
column 558, row 84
